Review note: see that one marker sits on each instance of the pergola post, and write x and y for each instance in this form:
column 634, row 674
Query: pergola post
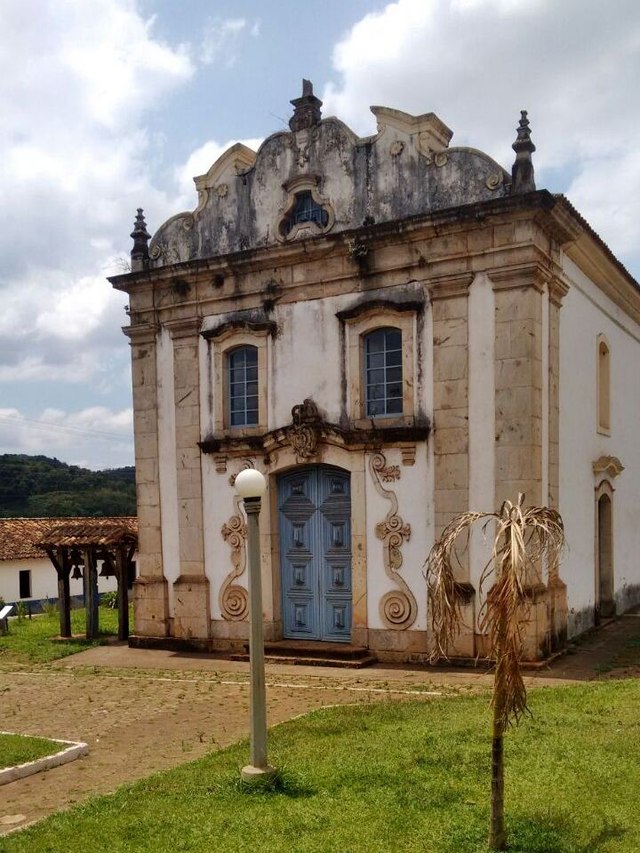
column 90, row 589
column 62, row 565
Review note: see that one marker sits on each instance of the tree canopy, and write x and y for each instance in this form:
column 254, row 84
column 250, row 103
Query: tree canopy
column 38, row 486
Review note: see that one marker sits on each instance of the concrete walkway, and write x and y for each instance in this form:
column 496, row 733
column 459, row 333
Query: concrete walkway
column 593, row 656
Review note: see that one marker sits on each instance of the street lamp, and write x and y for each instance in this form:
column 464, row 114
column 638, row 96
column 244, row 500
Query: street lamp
column 251, row 485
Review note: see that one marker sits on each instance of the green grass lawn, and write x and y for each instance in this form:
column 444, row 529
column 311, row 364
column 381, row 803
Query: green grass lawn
column 18, row 749
column 32, row 640
column 389, row 777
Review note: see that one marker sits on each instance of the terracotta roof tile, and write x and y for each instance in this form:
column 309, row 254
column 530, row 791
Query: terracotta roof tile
column 24, row 538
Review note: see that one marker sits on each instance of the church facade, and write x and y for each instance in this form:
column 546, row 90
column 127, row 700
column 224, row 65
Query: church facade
column 392, row 330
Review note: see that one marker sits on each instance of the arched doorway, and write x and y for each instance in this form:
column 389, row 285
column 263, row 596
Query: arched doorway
column 605, row 605
column 314, row 506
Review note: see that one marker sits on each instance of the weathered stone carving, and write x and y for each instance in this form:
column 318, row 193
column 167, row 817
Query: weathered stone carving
column 306, row 109
column 398, row 608
column 233, row 598
column 390, row 473
column 305, row 429
column 609, row 465
column 246, row 463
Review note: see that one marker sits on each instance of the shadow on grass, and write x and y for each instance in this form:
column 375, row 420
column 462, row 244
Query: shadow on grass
column 548, row 834
column 284, row 782
column 610, row 832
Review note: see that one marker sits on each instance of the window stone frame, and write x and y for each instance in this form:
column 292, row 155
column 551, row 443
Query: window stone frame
column 359, row 323
column 223, row 340
column 603, row 382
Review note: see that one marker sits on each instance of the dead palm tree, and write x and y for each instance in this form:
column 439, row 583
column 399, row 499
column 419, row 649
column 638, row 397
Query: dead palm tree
column 525, row 540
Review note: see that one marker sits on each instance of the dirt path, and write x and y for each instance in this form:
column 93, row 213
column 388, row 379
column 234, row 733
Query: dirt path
column 143, row 711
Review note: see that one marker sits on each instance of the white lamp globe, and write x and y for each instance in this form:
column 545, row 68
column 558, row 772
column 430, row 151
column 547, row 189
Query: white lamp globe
column 250, row 483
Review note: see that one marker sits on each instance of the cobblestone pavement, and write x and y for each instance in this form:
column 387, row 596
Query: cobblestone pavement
column 142, row 711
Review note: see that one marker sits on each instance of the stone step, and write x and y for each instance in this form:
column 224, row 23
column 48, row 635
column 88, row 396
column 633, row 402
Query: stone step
column 300, row 660
column 314, row 649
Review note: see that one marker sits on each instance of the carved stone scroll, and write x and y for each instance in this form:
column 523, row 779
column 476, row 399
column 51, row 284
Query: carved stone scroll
column 233, row 598
column 398, row 608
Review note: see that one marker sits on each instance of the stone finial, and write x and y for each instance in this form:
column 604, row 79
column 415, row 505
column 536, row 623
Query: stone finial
column 522, row 179
column 306, row 110
column 141, row 237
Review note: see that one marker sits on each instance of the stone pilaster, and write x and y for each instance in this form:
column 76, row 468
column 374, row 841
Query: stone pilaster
column 557, row 589
column 518, row 384
column 151, row 605
column 521, row 382
column 450, row 307
column 191, row 604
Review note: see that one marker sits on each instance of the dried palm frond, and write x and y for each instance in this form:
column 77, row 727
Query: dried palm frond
column 442, row 587
column 524, row 540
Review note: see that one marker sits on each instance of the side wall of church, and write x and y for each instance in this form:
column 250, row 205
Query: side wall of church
column 586, row 315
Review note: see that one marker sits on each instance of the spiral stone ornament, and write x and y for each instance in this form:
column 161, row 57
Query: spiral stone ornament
column 233, row 599
column 235, row 603
column 397, row 609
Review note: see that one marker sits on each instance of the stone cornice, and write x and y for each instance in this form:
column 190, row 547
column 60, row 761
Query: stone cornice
column 429, row 252
column 558, row 289
column 450, row 286
column 378, row 235
column 373, row 438
column 382, row 305
column 183, row 328
column 230, row 327
column 145, row 333
column 518, row 276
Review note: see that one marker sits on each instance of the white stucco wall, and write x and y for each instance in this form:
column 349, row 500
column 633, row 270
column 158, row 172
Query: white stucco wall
column 44, row 580
column 304, row 360
column 586, row 312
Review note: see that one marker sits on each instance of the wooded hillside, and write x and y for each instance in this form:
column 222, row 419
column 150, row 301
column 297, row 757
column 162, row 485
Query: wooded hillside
column 37, row 486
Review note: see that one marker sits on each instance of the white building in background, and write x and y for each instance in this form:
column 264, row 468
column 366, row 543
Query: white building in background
column 393, row 330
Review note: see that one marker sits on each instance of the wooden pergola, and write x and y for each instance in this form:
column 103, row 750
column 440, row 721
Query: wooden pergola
column 78, row 545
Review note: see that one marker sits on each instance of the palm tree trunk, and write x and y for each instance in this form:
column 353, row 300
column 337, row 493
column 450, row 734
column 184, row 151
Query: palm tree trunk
column 497, row 835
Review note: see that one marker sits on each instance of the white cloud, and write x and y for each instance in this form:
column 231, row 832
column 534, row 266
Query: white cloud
column 96, row 437
column 476, row 63
column 220, row 42
column 76, row 79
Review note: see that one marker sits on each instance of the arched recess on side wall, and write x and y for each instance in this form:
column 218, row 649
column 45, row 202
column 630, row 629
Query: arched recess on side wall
column 604, row 574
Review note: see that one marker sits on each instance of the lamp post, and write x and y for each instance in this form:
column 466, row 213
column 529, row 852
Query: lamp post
column 251, row 485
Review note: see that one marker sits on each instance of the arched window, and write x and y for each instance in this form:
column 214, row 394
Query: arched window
column 242, row 385
column 383, row 372
column 604, row 386
column 605, row 587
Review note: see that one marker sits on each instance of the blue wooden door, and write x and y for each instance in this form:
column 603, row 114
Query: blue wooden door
column 315, row 554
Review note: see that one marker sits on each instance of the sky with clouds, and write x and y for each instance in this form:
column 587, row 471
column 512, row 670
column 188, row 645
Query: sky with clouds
column 109, row 105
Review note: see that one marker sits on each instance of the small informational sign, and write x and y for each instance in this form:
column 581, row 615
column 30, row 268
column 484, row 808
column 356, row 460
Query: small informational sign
column 4, row 613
